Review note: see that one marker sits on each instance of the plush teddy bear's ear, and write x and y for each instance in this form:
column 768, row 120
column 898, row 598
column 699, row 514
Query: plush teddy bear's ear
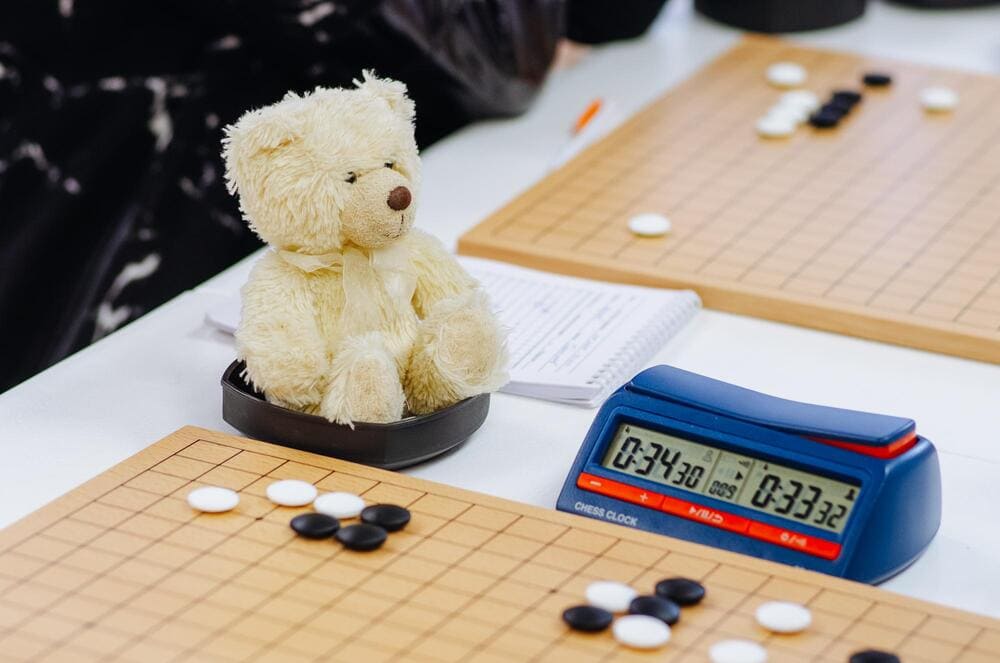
column 393, row 92
column 258, row 131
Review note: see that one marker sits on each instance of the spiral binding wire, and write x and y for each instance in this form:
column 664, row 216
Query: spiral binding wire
column 644, row 344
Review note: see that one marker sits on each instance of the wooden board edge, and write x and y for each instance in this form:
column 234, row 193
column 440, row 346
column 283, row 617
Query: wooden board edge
column 188, row 435
column 59, row 507
column 849, row 320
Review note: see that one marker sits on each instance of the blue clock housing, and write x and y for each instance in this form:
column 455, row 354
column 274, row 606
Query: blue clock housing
column 848, row 493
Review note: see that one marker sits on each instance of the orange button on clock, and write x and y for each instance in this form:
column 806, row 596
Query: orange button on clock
column 795, row 540
column 703, row 514
column 617, row 490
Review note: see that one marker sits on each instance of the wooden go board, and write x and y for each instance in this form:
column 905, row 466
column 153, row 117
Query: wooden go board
column 123, row 569
column 887, row 227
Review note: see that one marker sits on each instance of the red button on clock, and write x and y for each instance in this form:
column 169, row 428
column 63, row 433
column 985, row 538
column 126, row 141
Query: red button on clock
column 618, row 490
column 703, row 514
column 795, row 540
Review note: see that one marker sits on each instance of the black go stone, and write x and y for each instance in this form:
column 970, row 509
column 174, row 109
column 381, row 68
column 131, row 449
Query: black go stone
column 315, row 525
column 389, row 517
column 682, row 591
column 876, row 79
column 654, row 606
column 587, row 618
column 873, row 656
column 361, row 536
column 847, row 97
column 841, row 106
column 825, row 118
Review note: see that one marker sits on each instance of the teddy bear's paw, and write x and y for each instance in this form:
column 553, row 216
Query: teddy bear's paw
column 291, row 380
column 364, row 384
column 459, row 353
column 470, row 348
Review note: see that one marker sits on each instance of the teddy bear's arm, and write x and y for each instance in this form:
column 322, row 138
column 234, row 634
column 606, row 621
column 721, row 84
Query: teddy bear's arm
column 278, row 336
column 439, row 276
column 459, row 349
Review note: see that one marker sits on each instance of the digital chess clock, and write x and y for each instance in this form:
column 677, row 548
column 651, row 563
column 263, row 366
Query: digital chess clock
column 848, row 493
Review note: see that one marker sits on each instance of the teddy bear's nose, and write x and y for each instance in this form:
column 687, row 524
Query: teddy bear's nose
column 399, row 198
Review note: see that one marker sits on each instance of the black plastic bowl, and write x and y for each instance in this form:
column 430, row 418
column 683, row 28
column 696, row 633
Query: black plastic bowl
column 390, row 446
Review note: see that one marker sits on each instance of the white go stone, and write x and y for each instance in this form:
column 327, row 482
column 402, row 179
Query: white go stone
column 610, row 595
column 775, row 126
column 804, row 99
column 291, row 492
column 649, row 225
column 796, row 114
column 737, row 651
column 339, row 505
column 786, row 74
column 641, row 631
column 938, row 99
column 213, row 499
column 783, row 617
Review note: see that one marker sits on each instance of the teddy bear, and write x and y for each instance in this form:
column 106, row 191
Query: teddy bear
column 352, row 314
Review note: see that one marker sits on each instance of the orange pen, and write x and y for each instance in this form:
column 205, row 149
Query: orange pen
column 591, row 111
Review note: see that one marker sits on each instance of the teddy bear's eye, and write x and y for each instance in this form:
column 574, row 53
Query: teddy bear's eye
column 390, row 164
column 351, row 178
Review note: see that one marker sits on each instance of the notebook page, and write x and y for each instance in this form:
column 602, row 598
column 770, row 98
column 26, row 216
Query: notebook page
column 564, row 331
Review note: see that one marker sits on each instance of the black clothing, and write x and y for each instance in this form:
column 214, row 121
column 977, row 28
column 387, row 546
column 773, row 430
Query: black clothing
column 112, row 197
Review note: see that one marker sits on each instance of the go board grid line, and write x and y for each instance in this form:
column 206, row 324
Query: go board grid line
column 937, row 284
column 248, row 566
column 293, row 626
column 330, row 604
column 520, row 515
column 566, row 173
column 973, row 247
column 483, row 593
column 857, row 619
column 483, row 645
column 211, row 635
column 578, row 575
column 986, row 287
column 567, row 634
column 734, row 197
column 840, row 71
column 802, row 146
column 162, row 619
column 843, row 67
column 424, row 585
column 750, row 597
column 828, row 199
column 716, row 107
column 653, row 148
column 889, row 232
column 56, row 561
column 894, row 307
column 650, row 149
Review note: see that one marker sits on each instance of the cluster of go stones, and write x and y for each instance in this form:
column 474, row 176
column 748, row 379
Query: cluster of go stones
column 322, row 523
column 645, row 621
column 799, row 106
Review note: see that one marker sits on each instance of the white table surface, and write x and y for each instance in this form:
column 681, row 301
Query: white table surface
column 116, row 397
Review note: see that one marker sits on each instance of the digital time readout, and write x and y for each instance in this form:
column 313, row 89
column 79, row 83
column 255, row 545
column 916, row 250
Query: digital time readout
column 746, row 481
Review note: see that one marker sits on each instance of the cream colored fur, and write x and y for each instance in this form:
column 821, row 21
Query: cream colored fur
column 353, row 315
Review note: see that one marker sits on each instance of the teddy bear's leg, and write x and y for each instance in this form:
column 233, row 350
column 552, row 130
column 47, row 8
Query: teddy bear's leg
column 364, row 383
column 459, row 352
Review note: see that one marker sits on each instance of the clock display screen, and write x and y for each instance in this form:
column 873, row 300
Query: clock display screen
column 754, row 483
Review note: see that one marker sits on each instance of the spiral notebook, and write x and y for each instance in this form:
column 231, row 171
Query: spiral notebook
column 570, row 340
